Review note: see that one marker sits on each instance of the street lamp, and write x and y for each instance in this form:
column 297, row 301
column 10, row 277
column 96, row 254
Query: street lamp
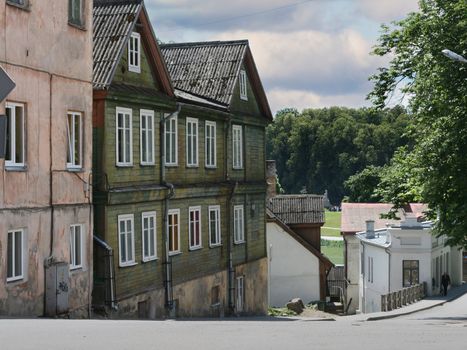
column 453, row 56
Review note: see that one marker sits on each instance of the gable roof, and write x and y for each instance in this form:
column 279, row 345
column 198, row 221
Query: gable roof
column 210, row 70
column 298, row 209
column 355, row 215
column 113, row 23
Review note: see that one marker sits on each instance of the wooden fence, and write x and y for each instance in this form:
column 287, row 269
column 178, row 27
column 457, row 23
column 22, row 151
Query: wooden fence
column 402, row 297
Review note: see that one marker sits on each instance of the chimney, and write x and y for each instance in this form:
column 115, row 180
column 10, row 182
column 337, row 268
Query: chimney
column 271, row 179
column 370, row 229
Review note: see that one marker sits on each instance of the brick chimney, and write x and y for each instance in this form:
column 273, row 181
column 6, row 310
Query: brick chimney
column 271, row 179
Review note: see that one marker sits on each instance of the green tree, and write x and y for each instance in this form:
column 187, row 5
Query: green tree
column 361, row 186
column 434, row 170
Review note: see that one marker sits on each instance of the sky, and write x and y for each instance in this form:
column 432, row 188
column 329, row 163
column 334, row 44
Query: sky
column 309, row 54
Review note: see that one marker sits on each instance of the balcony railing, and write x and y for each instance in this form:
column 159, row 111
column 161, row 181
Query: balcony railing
column 402, row 297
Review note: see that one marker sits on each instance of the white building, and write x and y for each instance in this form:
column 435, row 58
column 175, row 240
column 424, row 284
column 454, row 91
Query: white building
column 400, row 256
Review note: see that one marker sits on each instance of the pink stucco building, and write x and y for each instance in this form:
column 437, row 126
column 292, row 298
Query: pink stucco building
column 45, row 193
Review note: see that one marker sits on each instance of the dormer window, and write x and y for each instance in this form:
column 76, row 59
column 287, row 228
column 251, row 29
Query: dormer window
column 243, row 90
column 134, row 53
column 75, row 12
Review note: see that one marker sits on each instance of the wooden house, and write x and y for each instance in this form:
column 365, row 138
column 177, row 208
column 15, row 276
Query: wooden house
column 179, row 172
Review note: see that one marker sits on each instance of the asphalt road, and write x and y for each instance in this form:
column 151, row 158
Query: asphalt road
column 443, row 327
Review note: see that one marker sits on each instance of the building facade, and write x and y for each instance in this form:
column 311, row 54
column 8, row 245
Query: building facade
column 45, row 191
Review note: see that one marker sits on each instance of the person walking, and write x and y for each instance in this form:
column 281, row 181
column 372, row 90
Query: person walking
column 445, row 282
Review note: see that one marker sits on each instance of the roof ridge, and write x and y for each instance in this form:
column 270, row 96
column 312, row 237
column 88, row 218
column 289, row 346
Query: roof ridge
column 115, row 2
column 206, row 43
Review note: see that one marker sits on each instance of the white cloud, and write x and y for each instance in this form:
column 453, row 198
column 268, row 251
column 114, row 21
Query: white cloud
column 386, row 10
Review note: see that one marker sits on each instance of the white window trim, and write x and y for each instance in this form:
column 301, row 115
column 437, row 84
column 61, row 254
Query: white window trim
column 12, row 163
column 135, row 68
column 146, row 113
column 200, row 245
column 124, row 111
column 174, row 212
column 240, row 294
column 239, row 208
column 238, row 165
column 145, row 215
column 18, row 277
column 243, row 85
column 194, row 123
column 71, row 137
column 72, row 233
column 132, row 262
column 214, row 144
column 175, row 162
column 215, row 208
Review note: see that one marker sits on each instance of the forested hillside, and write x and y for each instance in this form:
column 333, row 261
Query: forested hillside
column 320, row 149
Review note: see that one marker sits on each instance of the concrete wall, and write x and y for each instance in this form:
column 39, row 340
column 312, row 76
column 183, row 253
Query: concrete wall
column 352, row 253
column 293, row 269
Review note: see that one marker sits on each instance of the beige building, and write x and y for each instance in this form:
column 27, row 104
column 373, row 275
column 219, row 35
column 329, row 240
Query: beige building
column 45, row 192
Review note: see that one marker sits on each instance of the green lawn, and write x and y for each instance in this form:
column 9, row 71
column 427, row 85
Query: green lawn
column 334, row 250
column 332, row 226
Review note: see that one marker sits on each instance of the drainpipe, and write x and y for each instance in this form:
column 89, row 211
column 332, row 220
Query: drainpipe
column 389, row 269
column 231, row 274
column 170, row 195
column 362, row 266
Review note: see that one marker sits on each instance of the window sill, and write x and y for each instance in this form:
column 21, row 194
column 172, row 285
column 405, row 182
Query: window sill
column 244, row 98
column 80, row 26
column 147, row 164
column 194, row 166
column 210, row 167
column 124, row 165
column 74, row 170
column 175, row 253
column 171, row 165
column 75, row 268
column 14, row 279
column 239, row 242
column 146, row 260
column 26, row 7
column 237, row 168
column 134, row 69
column 128, row 264
column 192, row 249
column 215, row 245
column 20, row 168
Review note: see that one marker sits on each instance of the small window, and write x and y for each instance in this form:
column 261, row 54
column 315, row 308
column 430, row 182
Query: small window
column 171, row 146
column 134, row 53
column 194, row 227
column 174, row 231
column 147, row 137
column 126, row 240
column 75, row 12
column 15, row 255
column 239, row 227
column 211, row 150
column 240, row 294
column 15, row 144
column 370, row 270
column 124, row 137
column 192, row 142
column 214, row 225
column 410, row 272
column 243, row 86
column 75, row 138
column 76, row 246
column 148, row 234
column 19, row 3
column 237, row 147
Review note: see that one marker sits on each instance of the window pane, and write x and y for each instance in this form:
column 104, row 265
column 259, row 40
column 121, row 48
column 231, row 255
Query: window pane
column 10, row 255
column 18, row 254
column 19, row 135
column 9, row 133
column 77, row 245
column 77, row 138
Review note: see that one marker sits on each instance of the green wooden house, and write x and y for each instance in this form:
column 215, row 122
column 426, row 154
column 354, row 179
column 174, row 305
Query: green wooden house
column 179, row 172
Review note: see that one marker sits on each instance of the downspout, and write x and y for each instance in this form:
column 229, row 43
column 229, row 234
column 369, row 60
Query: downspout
column 389, row 269
column 168, row 270
column 362, row 266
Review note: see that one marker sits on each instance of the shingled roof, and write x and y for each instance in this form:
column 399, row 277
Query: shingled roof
column 298, row 209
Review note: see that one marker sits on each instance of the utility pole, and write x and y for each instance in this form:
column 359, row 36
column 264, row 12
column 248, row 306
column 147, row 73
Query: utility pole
column 6, row 86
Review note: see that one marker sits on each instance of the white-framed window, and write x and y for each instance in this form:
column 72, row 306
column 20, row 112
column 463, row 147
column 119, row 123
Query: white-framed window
column 237, row 147
column 191, row 142
column 134, row 53
column 171, row 145
column 146, row 118
column 75, row 12
column 15, row 260
column 210, row 142
column 240, row 293
column 148, row 234
column 370, row 269
column 15, row 143
column 243, row 86
column 76, row 246
column 126, row 239
column 74, row 129
column 239, row 226
column 124, row 137
column 174, row 231
column 214, row 213
column 194, row 227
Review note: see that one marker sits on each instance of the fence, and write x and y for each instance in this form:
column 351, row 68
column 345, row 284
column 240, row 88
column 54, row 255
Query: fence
column 402, row 297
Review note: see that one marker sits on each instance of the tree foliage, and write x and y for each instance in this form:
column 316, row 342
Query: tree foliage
column 320, row 148
column 434, row 170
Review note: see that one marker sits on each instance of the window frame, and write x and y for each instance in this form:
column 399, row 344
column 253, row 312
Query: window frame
column 239, row 230
column 213, row 143
column 11, row 128
column 15, row 277
column 16, row 3
column 240, row 293
column 147, row 215
column 173, row 212
column 73, row 252
column 134, row 54
column 71, row 149
column 237, row 147
column 191, row 240
column 173, row 141
column 243, row 85
column 192, row 139
column 132, row 261
column 124, row 112
column 218, row 234
column 71, row 19
column 147, row 114
column 411, row 270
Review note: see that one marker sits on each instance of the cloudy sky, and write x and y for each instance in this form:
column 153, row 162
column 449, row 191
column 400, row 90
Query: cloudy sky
column 311, row 53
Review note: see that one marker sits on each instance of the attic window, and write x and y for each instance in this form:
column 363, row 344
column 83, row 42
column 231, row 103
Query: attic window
column 243, row 90
column 134, row 53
